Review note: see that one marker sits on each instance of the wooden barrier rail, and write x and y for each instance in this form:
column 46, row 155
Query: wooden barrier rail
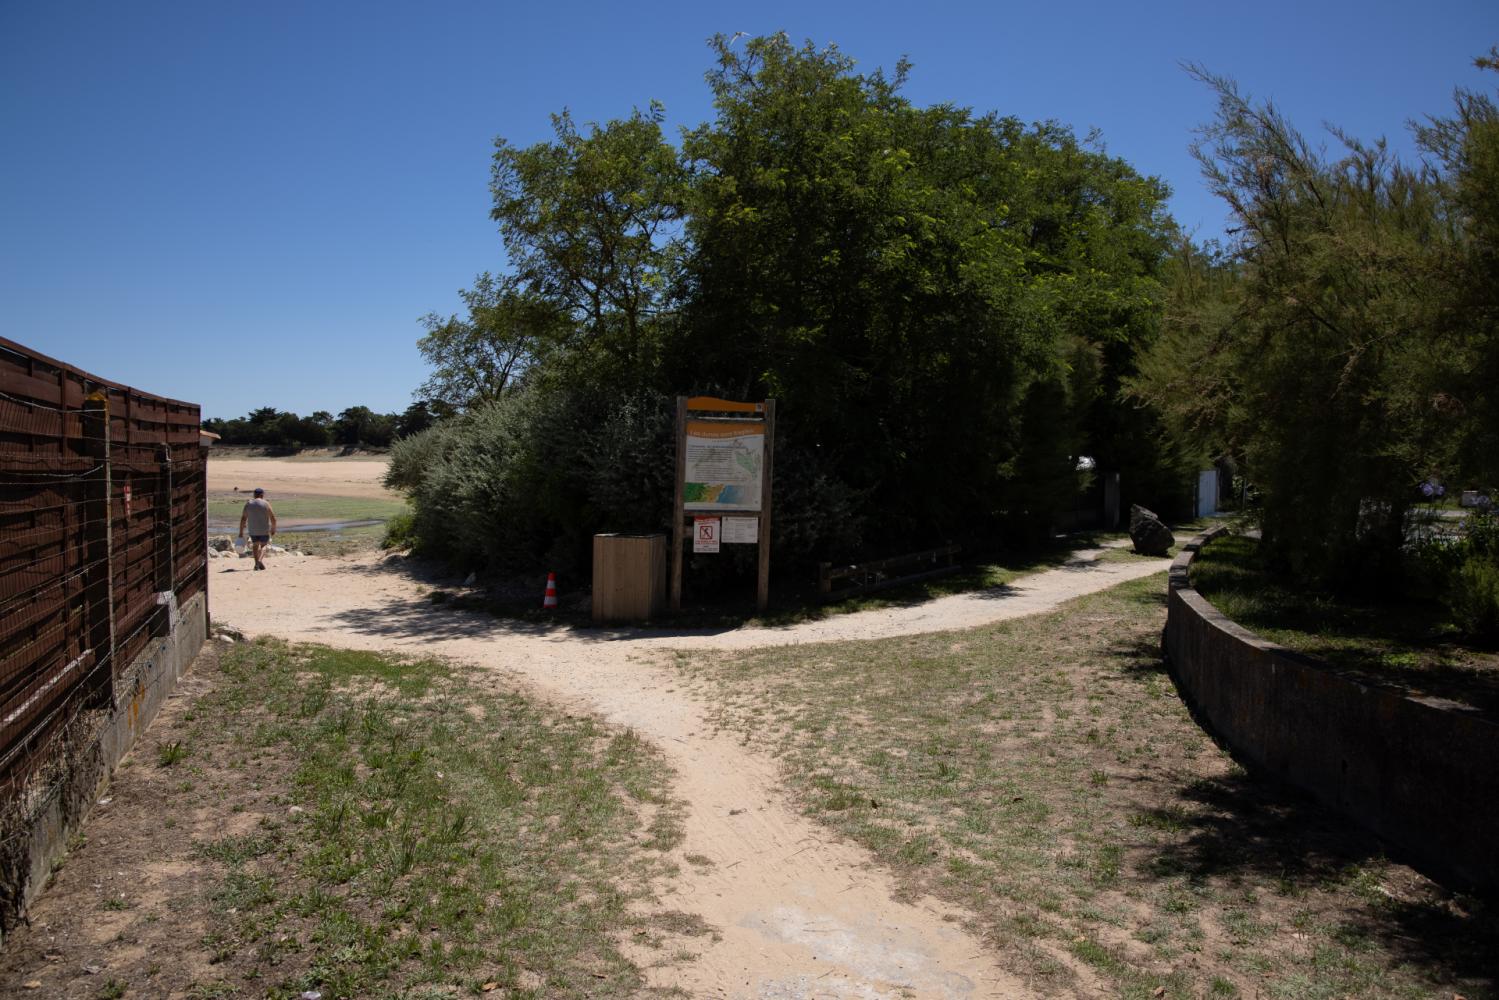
column 875, row 574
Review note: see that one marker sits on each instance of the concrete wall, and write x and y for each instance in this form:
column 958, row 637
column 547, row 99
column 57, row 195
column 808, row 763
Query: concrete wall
column 1421, row 773
column 63, row 796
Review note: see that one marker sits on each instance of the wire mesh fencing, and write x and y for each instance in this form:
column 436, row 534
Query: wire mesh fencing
column 103, row 520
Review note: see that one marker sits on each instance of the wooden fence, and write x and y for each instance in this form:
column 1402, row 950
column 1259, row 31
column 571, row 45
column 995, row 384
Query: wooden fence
column 102, row 537
column 879, row 574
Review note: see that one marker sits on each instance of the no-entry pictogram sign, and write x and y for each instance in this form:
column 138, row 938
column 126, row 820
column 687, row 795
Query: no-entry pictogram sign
column 706, row 532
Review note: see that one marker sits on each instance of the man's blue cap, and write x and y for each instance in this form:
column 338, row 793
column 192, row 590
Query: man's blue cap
column 259, row 492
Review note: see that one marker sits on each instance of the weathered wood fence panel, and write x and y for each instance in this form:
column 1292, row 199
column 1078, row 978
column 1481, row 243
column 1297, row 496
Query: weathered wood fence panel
column 102, row 537
column 880, row 574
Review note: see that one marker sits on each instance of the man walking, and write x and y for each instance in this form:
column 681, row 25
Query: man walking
column 262, row 523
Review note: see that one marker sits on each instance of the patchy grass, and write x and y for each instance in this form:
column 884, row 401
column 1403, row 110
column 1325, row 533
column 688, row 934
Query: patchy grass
column 1405, row 644
column 432, row 838
column 791, row 605
column 224, row 511
column 227, row 507
column 1044, row 774
column 171, row 753
column 985, row 573
column 343, row 542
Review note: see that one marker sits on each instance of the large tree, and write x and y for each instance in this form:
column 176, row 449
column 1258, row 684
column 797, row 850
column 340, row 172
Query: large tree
column 588, row 222
column 1337, row 351
column 906, row 279
column 942, row 301
column 476, row 358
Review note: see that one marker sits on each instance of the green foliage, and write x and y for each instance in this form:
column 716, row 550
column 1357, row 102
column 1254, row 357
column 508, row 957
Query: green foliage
column 417, row 418
column 400, row 531
column 1473, row 593
column 1344, row 350
column 360, row 425
column 475, row 359
column 411, row 457
column 587, row 223
column 943, row 303
column 1475, row 599
column 899, row 278
column 474, row 492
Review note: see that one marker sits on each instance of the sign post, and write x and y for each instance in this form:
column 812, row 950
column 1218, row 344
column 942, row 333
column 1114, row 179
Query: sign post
column 724, row 452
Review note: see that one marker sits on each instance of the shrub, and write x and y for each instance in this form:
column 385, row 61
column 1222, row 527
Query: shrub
column 1473, row 593
column 1474, row 599
column 400, row 532
column 412, row 456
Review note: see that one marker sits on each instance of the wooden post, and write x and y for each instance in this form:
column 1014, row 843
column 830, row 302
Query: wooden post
column 161, row 542
column 199, row 494
column 98, row 573
column 676, row 506
column 762, row 588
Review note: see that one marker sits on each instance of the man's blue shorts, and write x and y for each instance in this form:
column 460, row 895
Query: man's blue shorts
column 262, row 539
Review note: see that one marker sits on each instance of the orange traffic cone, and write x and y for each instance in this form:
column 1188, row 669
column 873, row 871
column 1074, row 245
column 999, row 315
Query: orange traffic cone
column 549, row 602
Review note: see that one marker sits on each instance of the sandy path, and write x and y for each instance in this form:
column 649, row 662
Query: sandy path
column 801, row 914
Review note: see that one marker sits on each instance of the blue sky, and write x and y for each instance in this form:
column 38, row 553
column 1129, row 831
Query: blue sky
column 252, row 204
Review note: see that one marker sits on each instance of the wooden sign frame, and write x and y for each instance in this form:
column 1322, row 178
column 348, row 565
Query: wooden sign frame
column 713, row 410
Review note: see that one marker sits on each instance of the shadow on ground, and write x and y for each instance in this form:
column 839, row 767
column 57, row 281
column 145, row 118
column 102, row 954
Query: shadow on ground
column 448, row 615
column 1246, row 827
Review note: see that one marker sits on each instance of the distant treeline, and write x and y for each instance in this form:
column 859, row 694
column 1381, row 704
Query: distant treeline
column 356, row 426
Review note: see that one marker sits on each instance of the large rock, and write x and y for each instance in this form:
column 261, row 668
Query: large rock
column 1150, row 535
column 221, row 543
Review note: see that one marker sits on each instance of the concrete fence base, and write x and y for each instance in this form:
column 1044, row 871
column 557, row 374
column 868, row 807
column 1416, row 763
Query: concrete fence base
column 1423, row 774
column 35, row 831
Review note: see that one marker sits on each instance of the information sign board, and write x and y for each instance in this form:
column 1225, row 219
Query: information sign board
column 741, row 530
column 723, row 466
column 724, row 454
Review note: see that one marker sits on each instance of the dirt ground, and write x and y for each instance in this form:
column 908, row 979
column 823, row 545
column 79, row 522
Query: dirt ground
column 94, row 928
column 799, row 912
column 344, row 477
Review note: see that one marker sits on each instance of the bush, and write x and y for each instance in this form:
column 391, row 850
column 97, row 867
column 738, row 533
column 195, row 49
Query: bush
column 1474, row 599
column 1473, row 590
column 524, row 482
column 411, row 457
column 400, row 532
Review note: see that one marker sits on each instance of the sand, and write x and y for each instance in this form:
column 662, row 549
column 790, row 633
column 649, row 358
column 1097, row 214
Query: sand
column 800, row 913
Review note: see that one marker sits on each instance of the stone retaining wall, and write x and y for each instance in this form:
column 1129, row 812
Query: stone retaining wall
column 1421, row 773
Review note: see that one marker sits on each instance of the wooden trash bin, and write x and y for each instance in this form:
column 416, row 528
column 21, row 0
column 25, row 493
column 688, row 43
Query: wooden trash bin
column 629, row 577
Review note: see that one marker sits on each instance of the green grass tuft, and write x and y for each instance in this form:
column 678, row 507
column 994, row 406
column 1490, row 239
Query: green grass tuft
column 428, row 850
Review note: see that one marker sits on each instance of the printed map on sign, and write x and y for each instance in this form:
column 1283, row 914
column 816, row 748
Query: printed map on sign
column 724, row 462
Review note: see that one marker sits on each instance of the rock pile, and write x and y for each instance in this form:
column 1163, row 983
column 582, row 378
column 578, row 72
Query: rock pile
column 223, row 547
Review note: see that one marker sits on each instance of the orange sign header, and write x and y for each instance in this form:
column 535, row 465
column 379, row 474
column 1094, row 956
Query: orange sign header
column 714, row 429
column 715, row 405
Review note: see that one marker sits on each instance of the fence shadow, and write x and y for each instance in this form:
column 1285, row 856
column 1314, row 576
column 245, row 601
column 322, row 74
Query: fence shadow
column 1246, row 825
